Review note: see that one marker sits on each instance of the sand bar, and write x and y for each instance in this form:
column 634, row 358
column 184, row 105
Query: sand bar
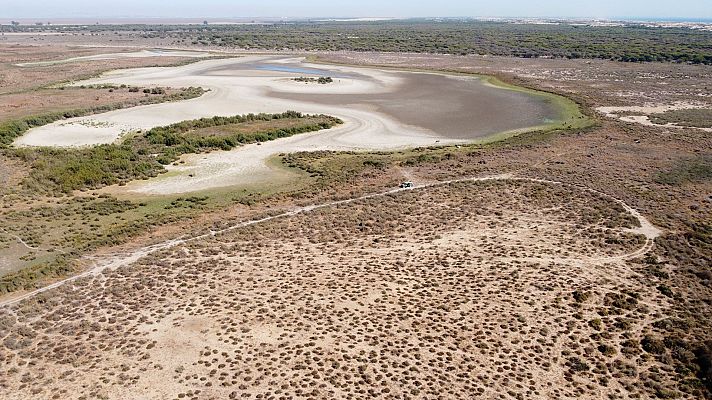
column 116, row 56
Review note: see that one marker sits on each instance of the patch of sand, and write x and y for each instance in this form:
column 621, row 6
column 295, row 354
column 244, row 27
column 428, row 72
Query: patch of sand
column 645, row 112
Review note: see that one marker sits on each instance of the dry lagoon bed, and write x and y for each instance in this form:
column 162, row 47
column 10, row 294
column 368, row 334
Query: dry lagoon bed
column 382, row 110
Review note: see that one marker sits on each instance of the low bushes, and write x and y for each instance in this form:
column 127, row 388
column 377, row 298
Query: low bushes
column 692, row 170
column 694, row 117
column 11, row 130
column 28, row 277
column 321, row 80
column 57, row 170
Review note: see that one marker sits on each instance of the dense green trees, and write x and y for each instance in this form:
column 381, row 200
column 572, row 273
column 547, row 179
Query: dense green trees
column 632, row 42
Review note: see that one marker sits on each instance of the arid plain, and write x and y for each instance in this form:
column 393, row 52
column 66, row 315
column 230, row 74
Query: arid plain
column 569, row 261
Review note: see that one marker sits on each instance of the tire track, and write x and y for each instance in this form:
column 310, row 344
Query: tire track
column 124, row 259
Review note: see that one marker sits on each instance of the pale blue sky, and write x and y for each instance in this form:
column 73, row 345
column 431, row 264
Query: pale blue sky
column 354, row 8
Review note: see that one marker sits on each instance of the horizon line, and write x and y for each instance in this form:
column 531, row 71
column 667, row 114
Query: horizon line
column 294, row 18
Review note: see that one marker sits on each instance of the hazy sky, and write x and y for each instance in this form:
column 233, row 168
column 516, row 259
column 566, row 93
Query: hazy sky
column 353, row 8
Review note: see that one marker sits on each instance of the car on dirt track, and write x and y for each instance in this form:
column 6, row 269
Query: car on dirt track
column 407, row 185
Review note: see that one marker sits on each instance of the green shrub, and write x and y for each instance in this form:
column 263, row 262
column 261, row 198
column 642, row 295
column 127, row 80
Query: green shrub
column 596, row 324
column 28, row 277
column 653, row 345
column 578, row 365
column 665, row 290
column 607, row 350
column 580, row 296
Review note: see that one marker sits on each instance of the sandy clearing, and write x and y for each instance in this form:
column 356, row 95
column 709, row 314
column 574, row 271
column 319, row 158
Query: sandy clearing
column 366, row 99
column 115, row 56
column 646, row 110
column 248, row 164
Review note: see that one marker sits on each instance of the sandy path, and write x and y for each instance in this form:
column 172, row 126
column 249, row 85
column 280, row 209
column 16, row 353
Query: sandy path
column 646, row 229
column 22, row 242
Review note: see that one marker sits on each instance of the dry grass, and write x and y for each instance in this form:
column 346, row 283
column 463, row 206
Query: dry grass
column 695, row 117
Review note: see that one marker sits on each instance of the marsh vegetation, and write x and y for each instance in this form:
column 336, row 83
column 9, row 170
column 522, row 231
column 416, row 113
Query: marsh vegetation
column 62, row 229
column 690, row 117
column 401, row 288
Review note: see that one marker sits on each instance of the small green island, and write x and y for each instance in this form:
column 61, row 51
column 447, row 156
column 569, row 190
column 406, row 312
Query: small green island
column 323, row 80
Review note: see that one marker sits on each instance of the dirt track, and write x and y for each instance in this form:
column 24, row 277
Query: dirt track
column 120, row 260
